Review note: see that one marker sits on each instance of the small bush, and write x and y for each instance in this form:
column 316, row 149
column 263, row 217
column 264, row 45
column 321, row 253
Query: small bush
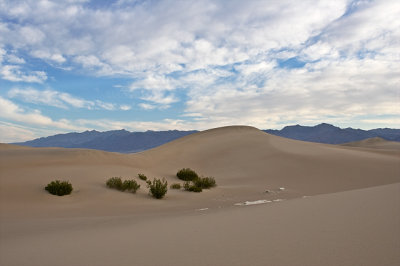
column 186, row 185
column 176, row 186
column 195, row 188
column 158, row 188
column 130, row 185
column 114, row 182
column 205, row 182
column 187, row 174
column 189, row 186
column 59, row 188
column 142, row 177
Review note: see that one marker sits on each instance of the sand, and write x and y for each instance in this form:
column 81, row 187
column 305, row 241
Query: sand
column 326, row 204
column 376, row 143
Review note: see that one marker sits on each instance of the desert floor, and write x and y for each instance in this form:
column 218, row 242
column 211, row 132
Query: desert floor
column 326, row 204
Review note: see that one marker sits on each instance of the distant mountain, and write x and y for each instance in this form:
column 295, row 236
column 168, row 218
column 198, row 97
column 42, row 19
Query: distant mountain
column 326, row 133
column 128, row 142
column 114, row 141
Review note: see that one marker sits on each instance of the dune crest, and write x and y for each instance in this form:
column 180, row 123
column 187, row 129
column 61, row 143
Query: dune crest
column 375, row 143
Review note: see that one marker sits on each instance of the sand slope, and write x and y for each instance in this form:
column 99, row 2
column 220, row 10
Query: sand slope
column 375, row 143
column 244, row 155
column 358, row 227
column 245, row 162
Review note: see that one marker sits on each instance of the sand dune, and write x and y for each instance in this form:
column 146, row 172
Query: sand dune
column 375, row 143
column 246, row 163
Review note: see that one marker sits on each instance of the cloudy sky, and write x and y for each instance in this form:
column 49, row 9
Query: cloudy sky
column 75, row 65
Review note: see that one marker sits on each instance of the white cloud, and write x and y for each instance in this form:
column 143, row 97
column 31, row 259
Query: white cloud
column 183, row 36
column 92, row 62
column 147, row 106
column 124, row 107
column 320, row 50
column 13, row 59
column 57, row 99
column 31, row 35
column 2, row 54
column 10, row 132
column 14, row 73
column 70, row 100
column 105, row 106
column 160, row 98
column 378, row 122
column 324, row 91
column 157, row 90
column 154, row 83
column 12, row 112
column 255, row 68
column 46, row 97
column 55, row 57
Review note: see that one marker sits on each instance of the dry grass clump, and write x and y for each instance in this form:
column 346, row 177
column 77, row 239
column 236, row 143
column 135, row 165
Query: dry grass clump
column 176, row 186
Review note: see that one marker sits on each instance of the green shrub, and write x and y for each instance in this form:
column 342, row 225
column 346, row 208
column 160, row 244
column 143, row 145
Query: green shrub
column 158, row 188
column 142, row 177
column 130, row 185
column 59, row 188
column 205, row 182
column 114, row 182
column 176, row 186
column 187, row 174
column 189, row 186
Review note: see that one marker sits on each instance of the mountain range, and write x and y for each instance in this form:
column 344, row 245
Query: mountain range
column 128, row 142
column 114, row 141
column 326, row 133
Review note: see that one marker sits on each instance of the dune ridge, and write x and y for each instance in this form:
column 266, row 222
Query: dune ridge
column 375, row 143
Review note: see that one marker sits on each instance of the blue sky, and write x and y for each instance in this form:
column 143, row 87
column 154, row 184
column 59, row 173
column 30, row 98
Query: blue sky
column 78, row 65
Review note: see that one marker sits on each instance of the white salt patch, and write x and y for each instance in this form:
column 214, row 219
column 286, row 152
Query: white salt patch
column 281, row 188
column 246, row 203
column 277, row 200
column 203, row 209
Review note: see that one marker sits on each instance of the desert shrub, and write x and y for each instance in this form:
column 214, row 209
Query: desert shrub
column 59, row 188
column 194, row 188
column 158, row 188
column 114, row 182
column 189, row 186
column 186, row 185
column 142, row 177
column 187, row 174
column 176, row 186
column 130, row 185
column 205, row 182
